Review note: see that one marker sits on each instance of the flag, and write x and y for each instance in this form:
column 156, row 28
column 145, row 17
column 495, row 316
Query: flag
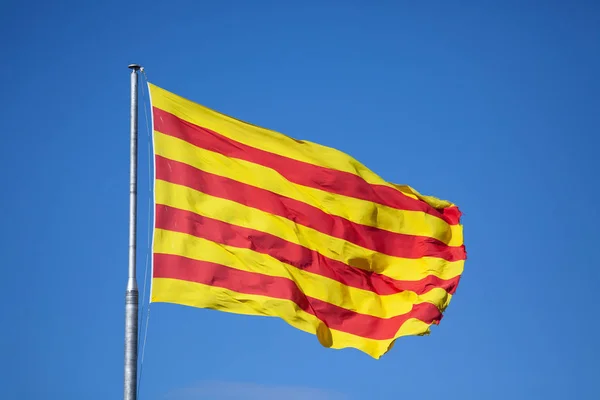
column 251, row 221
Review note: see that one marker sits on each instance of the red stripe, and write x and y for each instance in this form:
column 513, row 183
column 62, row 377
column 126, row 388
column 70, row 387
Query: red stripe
column 299, row 172
column 173, row 219
column 177, row 267
column 391, row 243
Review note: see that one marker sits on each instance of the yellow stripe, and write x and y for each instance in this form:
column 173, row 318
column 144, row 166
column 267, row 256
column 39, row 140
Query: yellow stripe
column 272, row 141
column 360, row 211
column 313, row 285
column 234, row 213
column 204, row 296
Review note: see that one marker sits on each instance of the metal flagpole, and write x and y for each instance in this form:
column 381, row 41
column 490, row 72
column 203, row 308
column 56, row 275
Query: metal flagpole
column 131, row 294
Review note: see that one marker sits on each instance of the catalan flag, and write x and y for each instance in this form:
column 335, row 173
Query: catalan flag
column 251, row 221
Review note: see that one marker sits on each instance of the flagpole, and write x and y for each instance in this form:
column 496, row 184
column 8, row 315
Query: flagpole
column 131, row 294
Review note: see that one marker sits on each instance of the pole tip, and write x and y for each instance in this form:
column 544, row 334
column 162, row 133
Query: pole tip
column 135, row 67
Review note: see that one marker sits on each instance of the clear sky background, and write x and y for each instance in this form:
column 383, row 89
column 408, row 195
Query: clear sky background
column 492, row 105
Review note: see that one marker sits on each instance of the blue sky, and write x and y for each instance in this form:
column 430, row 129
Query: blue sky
column 492, row 105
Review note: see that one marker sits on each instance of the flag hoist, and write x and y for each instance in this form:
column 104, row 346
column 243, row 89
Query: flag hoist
column 131, row 294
